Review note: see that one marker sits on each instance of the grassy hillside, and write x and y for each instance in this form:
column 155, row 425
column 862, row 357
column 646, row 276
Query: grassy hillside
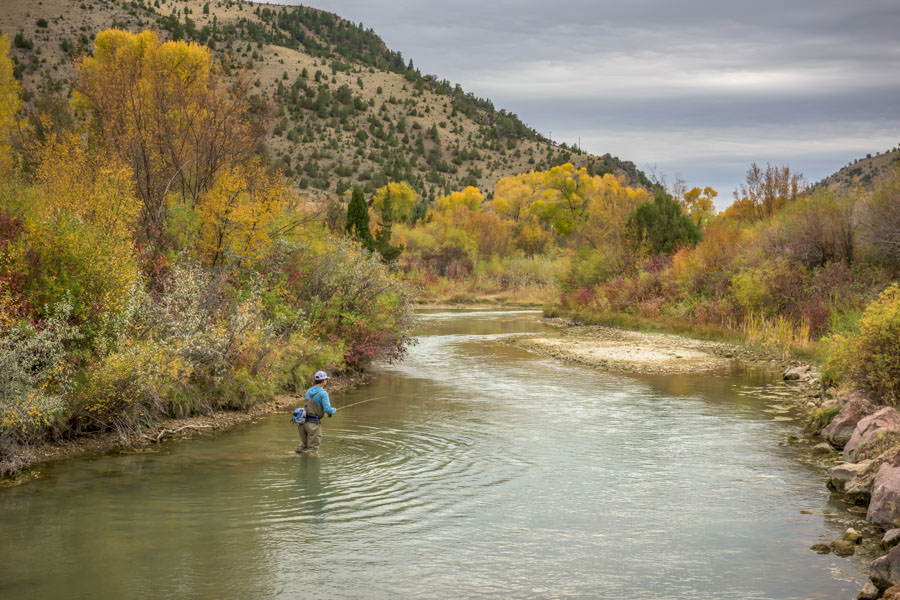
column 866, row 172
column 337, row 105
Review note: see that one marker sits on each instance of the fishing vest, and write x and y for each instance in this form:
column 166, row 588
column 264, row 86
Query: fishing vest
column 314, row 408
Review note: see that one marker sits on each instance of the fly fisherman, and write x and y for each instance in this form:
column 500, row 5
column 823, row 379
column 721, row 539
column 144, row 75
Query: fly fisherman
column 317, row 406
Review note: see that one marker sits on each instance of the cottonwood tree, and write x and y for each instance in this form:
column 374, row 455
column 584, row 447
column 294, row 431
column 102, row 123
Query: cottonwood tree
column 237, row 212
column 766, row 191
column 698, row 203
column 9, row 106
column 164, row 110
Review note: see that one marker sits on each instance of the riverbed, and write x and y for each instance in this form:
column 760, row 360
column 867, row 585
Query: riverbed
column 479, row 469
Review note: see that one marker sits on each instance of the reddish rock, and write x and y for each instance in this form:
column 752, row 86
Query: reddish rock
column 885, row 571
column 871, row 430
column 891, row 538
column 840, row 430
column 884, row 506
column 892, row 593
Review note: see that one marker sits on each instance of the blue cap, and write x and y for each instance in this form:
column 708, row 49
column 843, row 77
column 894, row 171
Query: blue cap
column 321, row 376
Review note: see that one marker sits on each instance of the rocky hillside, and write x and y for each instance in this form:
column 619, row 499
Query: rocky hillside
column 337, row 105
column 865, row 172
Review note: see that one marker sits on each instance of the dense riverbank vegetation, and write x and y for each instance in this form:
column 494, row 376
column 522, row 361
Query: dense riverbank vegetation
column 787, row 267
column 153, row 265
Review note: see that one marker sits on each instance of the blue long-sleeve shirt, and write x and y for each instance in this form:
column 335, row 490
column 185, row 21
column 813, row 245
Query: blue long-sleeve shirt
column 318, row 395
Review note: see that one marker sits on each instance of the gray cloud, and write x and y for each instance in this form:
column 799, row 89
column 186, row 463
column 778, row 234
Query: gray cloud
column 698, row 88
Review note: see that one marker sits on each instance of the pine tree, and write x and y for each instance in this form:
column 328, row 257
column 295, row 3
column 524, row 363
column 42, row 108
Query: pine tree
column 358, row 219
column 383, row 238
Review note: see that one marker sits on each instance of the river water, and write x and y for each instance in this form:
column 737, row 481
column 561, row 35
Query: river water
column 481, row 471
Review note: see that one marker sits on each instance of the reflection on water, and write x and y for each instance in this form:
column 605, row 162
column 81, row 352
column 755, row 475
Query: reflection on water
column 483, row 471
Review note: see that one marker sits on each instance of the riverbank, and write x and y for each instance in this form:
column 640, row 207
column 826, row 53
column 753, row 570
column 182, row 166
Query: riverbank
column 28, row 459
column 629, row 351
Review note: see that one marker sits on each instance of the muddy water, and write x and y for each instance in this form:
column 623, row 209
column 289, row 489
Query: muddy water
column 482, row 471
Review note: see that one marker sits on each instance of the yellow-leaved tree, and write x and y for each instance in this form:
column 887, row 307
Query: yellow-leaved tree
column 9, row 106
column 400, row 198
column 565, row 198
column 161, row 107
column 237, row 213
column 698, row 204
column 78, row 244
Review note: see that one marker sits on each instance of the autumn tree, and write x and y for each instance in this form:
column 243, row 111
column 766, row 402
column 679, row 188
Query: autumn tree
column 513, row 195
column 564, row 199
column 79, row 228
column 698, row 204
column 236, row 213
column 567, row 203
column 163, row 110
column 401, row 198
column 9, row 106
column 766, row 191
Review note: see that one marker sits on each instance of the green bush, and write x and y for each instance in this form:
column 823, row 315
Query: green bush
column 662, row 225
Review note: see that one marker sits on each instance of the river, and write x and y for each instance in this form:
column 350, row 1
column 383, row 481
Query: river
column 479, row 471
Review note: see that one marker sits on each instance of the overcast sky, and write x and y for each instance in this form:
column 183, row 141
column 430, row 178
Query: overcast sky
column 694, row 89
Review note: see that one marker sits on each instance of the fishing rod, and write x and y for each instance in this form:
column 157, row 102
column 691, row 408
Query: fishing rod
column 360, row 402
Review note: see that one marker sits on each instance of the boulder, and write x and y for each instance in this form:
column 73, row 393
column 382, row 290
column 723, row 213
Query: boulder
column 868, row 592
column 891, row 538
column 859, row 489
column 843, row 547
column 795, row 373
column 839, row 476
column 885, row 571
column 820, row 548
column 840, row 430
column 884, row 506
column 892, row 593
column 822, row 449
column 852, row 535
column 873, row 434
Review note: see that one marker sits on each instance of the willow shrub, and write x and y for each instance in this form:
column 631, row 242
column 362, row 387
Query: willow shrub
column 35, row 375
column 192, row 347
column 869, row 355
column 338, row 294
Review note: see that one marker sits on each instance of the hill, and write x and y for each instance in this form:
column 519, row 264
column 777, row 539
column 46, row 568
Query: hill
column 866, row 172
column 338, row 107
